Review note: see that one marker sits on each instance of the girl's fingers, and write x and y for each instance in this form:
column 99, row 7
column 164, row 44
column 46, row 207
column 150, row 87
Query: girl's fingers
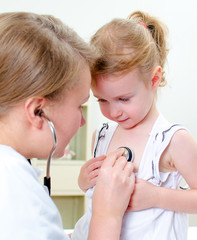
column 96, row 159
column 94, row 173
column 93, row 182
column 95, row 165
column 100, row 158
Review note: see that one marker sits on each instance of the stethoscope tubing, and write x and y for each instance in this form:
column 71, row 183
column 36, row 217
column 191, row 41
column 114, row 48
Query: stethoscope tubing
column 53, row 148
column 47, row 178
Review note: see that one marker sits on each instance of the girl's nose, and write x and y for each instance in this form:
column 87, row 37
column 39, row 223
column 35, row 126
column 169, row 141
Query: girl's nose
column 115, row 112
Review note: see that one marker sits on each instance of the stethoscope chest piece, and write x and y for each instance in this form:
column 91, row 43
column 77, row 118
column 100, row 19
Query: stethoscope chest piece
column 128, row 154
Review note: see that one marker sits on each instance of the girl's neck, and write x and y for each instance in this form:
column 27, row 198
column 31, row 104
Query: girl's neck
column 150, row 118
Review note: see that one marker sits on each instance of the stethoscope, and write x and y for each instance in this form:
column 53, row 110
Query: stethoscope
column 47, row 178
column 128, row 153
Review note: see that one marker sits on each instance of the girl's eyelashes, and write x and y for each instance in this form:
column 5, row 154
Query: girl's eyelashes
column 119, row 99
column 101, row 100
column 124, row 99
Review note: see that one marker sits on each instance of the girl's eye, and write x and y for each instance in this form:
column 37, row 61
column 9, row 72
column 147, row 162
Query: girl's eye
column 124, row 99
column 101, row 100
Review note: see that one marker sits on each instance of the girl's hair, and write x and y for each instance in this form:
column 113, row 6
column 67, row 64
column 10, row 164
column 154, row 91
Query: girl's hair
column 39, row 56
column 124, row 44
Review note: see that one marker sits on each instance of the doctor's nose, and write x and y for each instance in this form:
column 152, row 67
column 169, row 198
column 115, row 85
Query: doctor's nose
column 83, row 121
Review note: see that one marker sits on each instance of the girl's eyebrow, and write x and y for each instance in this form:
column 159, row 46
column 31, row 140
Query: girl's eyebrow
column 118, row 96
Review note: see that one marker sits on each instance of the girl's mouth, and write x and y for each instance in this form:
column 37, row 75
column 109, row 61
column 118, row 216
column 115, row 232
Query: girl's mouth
column 124, row 120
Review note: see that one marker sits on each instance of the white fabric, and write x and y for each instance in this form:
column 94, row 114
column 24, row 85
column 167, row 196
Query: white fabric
column 26, row 210
column 154, row 223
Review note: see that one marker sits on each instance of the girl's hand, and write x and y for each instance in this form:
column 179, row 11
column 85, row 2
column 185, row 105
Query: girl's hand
column 144, row 196
column 89, row 173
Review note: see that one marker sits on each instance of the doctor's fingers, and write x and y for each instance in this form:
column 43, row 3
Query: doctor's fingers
column 122, row 164
column 132, row 178
column 128, row 169
column 112, row 158
column 125, row 168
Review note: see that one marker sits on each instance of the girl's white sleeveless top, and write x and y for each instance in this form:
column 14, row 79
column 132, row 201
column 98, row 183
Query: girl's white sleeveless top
column 153, row 223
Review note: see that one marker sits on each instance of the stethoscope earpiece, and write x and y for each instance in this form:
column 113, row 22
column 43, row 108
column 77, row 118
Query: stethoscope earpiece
column 39, row 112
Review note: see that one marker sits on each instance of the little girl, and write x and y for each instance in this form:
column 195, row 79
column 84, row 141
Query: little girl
column 126, row 76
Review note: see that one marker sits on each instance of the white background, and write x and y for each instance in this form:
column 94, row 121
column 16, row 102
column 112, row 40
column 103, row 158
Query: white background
column 177, row 101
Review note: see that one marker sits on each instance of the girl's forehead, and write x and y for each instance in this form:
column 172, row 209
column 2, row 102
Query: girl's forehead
column 114, row 76
column 110, row 88
column 117, row 79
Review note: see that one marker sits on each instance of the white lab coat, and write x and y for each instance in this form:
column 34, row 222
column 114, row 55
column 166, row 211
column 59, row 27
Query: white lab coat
column 26, row 210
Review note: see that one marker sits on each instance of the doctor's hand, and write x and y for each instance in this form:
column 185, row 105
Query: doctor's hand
column 112, row 193
column 89, row 173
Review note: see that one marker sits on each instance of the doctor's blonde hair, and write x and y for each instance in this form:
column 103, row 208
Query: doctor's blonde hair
column 39, row 56
column 125, row 44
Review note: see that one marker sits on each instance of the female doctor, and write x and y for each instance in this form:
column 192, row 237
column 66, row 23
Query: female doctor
column 44, row 75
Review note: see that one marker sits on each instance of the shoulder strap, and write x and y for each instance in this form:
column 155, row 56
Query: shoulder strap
column 162, row 140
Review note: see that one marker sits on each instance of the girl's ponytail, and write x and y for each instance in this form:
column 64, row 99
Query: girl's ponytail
column 158, row 31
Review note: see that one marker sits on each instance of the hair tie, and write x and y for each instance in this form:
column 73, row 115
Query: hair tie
column 143, row 24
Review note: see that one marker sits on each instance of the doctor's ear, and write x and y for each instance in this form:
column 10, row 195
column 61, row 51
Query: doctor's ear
column 34, row 112
column 156, row 77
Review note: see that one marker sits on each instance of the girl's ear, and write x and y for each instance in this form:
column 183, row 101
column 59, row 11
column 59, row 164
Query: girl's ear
column 34, row 109
column 156, row 77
